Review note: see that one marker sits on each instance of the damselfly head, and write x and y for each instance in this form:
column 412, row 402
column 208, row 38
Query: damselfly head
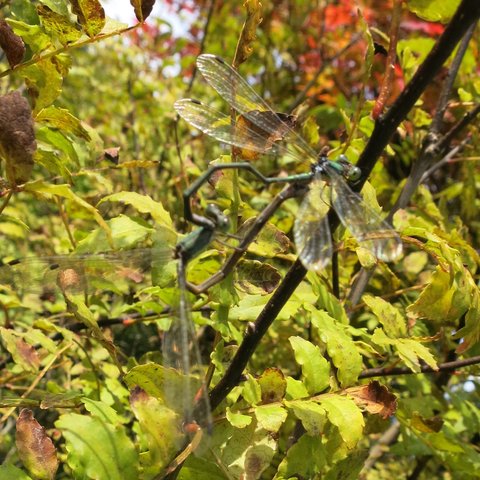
column 351, row 172
column 222, row 222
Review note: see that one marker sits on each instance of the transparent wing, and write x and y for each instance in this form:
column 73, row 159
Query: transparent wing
column 219, row 126
column 243, row 98
column 181, row 352
column 371, row 231
column 79, row 273
column 312, row 231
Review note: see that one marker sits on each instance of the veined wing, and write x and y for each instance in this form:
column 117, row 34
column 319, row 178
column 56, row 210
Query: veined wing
column 79, row 273
column 219, row 126
column 312, row 231
column 180, row 352
column 242, row 97
column 371, row 231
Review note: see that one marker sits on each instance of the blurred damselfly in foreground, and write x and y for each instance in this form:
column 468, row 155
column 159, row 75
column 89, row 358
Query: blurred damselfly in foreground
column 259, row 129
column 179, row 377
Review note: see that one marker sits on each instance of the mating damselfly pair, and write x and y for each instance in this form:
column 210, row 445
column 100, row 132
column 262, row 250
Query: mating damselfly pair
column 259, row 129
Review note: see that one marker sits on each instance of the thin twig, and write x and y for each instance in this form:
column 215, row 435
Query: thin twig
column 442, row 367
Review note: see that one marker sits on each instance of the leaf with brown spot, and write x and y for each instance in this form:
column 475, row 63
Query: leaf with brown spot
column 255, row 277
column 90, row 14
column 11, row 44
column 142, row 8
column 35, row 448
column 23, row 354
column 17, row 137
column 375, row 398
column 426, row 425
column 249, row 31
column 58, row 25
column 273, row 385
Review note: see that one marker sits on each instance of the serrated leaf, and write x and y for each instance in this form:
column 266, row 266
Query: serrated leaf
column 315, row 368
column 103, row 411
column 64, row 191
column 90, row 14
column 270, row 242
column 157, row 425
column 34, row 447
column 85, row 435
column 23, row 354
column 63, row 120
column 409, row 350
column 445, row 299
column 144, row 204
column 311, row 414
column 346, row 416
column 237, row 419
column 348, row 468
column 305, row 459
column 389, row 317
column 340, row 347
column 270, row 417
column 58, row 25
column 32, row 35
column 256, row 277
column 296, row 389
column 44, row 79
column 166, row 384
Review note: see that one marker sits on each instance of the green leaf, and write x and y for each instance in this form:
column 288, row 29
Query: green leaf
column 96, row 449
column 311, row 414
column 269, row 243
column 409, row 350
column 10, row 472
column 90, row 14
column 273, row 385
column 391, row 319
column 315, row 368
column 102, row 411
column 166, row 384
column 47, row 189
column 32, row 35
column 346, row 416
column 270, row 417
column 124, row 233
column 238, row 420
column 256, row 277
column 340, row 347
column 434, row 11
column 305, row 459
column 63, row 120
column 23, row 354
column 155, row 422
column 349, row 468
column 445, row 299
column 59, row 143
column 44, row 79
column 58, row 25
column 144, row 204
column 296, row 389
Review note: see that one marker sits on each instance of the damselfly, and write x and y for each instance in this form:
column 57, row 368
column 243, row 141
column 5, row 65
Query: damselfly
column 259, row 129
column 76, row 275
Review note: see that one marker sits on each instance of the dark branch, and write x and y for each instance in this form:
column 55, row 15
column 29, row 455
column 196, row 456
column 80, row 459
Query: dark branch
column 467, row 13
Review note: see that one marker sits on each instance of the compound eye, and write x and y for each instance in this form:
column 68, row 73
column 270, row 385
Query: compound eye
column 354, row 174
